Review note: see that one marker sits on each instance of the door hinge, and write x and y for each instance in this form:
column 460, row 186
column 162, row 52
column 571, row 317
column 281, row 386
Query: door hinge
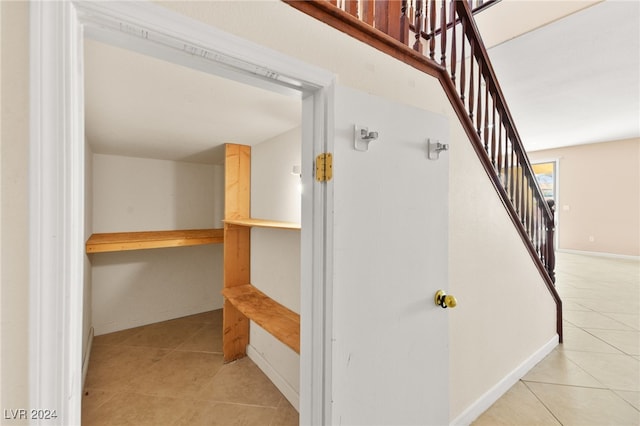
column 324, row 167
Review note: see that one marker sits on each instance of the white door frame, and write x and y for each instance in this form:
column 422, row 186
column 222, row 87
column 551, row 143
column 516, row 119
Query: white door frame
column 56, row 189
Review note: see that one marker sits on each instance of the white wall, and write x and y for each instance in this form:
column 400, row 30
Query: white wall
column 584, row 217
column 14, row 155
column 138, row 194
column 275, row 253
column 505, row 312
column 134, row 288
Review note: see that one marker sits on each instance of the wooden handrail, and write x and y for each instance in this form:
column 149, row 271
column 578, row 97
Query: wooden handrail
column 440, row 38
column 490, row 77
column 493, row 87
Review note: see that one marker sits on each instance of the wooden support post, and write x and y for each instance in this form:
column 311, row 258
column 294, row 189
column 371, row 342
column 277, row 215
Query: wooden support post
column 235, row 334
column 381, row 15
column 404, row 23
column 394, row 20
column 237, row 181
column 236, row 249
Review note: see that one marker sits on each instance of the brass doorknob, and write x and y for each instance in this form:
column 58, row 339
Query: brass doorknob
column 445, row 300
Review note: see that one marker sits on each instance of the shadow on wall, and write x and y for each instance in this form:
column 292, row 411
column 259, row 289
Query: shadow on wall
column 190, row 193
column 197, row 195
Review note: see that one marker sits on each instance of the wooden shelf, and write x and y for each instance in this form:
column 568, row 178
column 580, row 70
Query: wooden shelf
column 123, row 241
column 262, row 223
column 243, row 302
column 281, row 322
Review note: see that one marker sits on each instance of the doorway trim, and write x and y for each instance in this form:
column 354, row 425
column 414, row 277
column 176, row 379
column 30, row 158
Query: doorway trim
column 56, row 188
column 556, row 195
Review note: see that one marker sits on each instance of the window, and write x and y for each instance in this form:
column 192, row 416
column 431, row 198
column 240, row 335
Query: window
column 546, row 177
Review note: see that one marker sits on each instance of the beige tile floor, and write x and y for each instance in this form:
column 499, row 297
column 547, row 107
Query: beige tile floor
column 594, row 377
column 171, row 373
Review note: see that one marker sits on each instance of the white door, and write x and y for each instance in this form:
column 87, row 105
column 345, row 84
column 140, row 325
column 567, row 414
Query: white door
column 390, row 221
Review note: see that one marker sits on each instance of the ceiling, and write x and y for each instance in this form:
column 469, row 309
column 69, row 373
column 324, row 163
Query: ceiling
column 140, row 106
column 573, row 81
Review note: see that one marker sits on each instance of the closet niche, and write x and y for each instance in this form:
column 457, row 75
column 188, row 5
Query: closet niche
column 262, row 258
column 256, row 259
column 156, row 245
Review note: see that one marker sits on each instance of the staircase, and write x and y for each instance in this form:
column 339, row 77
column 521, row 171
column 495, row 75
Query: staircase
column 440, row 38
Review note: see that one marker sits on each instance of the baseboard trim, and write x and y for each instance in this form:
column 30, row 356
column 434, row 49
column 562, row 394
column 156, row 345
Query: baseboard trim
column 600, row 254
column 283, row 386
column 87, row 355
column 154, row 317
column 492, row 395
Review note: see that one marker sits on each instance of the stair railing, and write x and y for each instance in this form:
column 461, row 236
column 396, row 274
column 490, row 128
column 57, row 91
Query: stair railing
column 440, row 37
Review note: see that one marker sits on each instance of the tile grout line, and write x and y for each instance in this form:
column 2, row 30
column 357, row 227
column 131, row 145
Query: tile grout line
column 271, row 415
column 583, row 290
column 610, row 344
column 542, row 402
column 628, row 402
